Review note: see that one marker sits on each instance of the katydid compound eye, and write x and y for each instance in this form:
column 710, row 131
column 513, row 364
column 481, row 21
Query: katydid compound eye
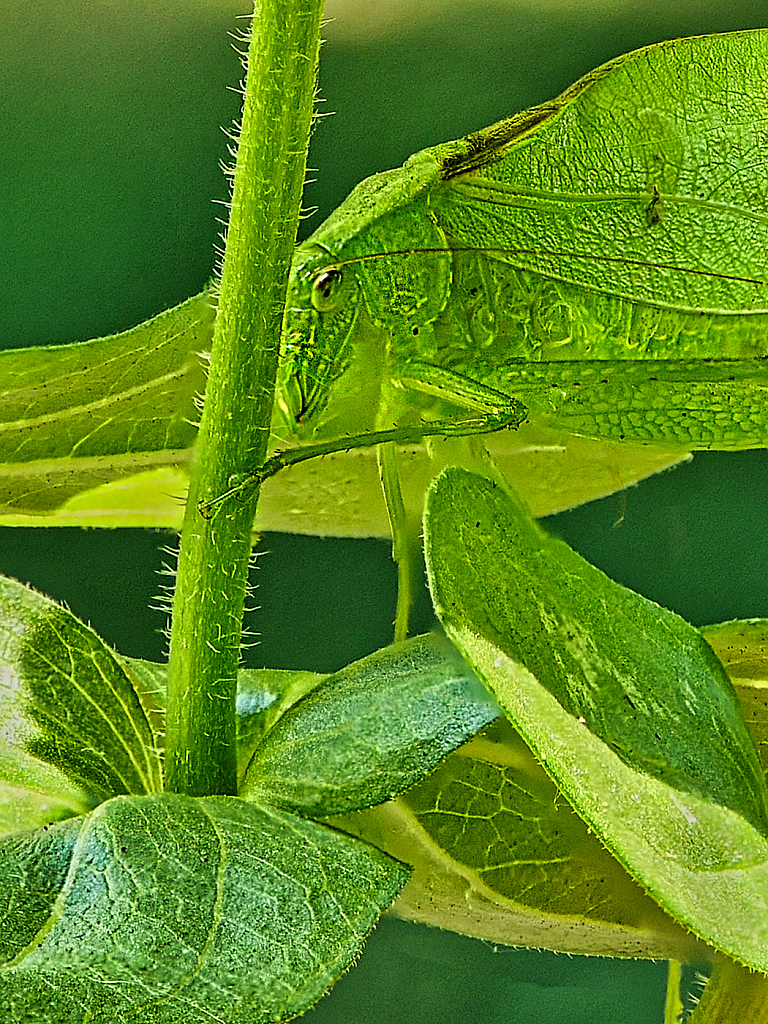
column 326, row 290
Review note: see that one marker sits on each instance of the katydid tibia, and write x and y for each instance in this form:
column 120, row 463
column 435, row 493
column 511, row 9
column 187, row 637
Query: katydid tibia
column 597, row 262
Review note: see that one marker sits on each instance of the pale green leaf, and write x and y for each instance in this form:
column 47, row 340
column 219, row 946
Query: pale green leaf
column 170, row 910
column 73, row 417
column 742, row 647
column 340, row 495
column 370, row 731
column 151, row 498
column 498, row 854
column 622, row 703
column 73, row 731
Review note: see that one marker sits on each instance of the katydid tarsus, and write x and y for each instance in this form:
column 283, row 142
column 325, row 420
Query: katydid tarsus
column 596, row 262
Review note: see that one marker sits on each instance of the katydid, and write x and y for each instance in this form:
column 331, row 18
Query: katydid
column 596, row 263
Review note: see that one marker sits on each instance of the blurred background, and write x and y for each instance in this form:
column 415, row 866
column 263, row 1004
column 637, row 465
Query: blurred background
column 110, row 143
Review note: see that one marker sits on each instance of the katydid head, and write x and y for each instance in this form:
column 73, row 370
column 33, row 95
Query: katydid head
column 319, row 355
column 356, row 284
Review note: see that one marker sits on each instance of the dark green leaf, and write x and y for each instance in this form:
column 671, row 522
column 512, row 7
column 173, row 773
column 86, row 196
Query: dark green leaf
column 171, row 910
column 370, row 731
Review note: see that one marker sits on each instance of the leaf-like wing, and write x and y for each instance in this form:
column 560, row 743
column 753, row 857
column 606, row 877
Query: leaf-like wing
column 73, row 731
column 171, row 910
column 643, row 180
column 370, row 731
column 620, row 700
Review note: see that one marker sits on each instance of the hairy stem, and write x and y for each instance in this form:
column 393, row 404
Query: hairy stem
column 234, row 430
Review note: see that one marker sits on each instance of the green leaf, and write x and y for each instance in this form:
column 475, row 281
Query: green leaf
column 73, row 731
column 172, row 910
column 98, row 433
column 73, row 417
column 322, row 745
column 742, row 647
column 620, row 700
column 370, row 731
column 639, row 676
column 263, row 695
column 498, row 854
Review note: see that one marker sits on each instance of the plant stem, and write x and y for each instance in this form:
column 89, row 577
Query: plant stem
column 234, row 431
column 734, row 995
column 673, row 1010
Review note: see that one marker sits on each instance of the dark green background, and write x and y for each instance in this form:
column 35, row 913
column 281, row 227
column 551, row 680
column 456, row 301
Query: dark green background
column 110, row 140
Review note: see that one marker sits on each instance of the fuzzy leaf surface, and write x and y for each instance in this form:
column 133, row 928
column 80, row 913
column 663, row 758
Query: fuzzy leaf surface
column 371, row 730
column 622, row 703
column 73, row 731
column 742, row 647
column 173, row 910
